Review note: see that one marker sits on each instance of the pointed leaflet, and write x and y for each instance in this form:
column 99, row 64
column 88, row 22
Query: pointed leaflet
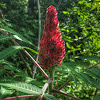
column 96, row 71
column 89, row 58
column 1, row 73
column 93, row 74
column 88, row 79
column 92, row 81
column 74, row 77
column 12, row 68
column 8, row 65
column 81, row 77
column 23, row 87
column 73, row 66
column 67, row 65
column 9, row 51
column 50, row 97
column 4, row 37
column 5, row 62
column 4, row 91
column 31, row 50
column 16, row 35
column 97, row 97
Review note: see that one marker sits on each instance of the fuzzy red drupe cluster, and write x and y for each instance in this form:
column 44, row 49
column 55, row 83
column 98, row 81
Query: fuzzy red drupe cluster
column 51, row 46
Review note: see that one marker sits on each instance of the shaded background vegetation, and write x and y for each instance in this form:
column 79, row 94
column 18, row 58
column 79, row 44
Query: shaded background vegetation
column 79, row 23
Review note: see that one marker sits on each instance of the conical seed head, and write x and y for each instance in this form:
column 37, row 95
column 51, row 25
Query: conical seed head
column 51, row 46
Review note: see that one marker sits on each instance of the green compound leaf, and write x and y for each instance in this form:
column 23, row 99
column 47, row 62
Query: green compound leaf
column 23, row 87
column 4, row 91
column 96, row 58
column 4, row 38
column 95, row 71
column 92, row 74
column 50, row 97
column 97, row 97
column 81, row 76
column 88, row 79
column 16, row 35
column 9, row 51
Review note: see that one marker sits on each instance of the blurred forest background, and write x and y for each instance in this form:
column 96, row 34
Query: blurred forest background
column 79, row 23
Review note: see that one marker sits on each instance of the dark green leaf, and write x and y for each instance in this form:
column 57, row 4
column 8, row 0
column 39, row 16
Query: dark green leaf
column 50, row 97
column 89, row 58
column 97, row 97
column 93, row 74
column 9, row 51
column 16, row 35
column 95, row 71
column 81, row 76
column 74, row 77
column 4, row 37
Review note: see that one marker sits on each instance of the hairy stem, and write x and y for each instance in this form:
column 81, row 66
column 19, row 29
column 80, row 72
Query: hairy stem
column 45, row 87
column 51, row 75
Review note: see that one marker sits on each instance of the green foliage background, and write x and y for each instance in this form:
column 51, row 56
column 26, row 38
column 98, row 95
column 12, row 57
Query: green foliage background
column 79, row 23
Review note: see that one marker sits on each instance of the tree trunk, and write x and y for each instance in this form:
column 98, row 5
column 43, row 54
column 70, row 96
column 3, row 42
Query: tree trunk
column 30, row 7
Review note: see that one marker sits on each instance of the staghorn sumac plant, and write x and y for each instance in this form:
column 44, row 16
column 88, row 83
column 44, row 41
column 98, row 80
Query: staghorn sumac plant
column 51, row 46
column 51, row 54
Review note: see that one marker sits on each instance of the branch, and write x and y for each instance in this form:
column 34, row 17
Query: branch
column 65, row 84
column 45, row 87
column 23, row 96
column 11, row 74
column 30, row 73
column 91, row 66
column 28, row 56
column 58, row 79
column 58, row 4
column 65, row 94
column 39, row 18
